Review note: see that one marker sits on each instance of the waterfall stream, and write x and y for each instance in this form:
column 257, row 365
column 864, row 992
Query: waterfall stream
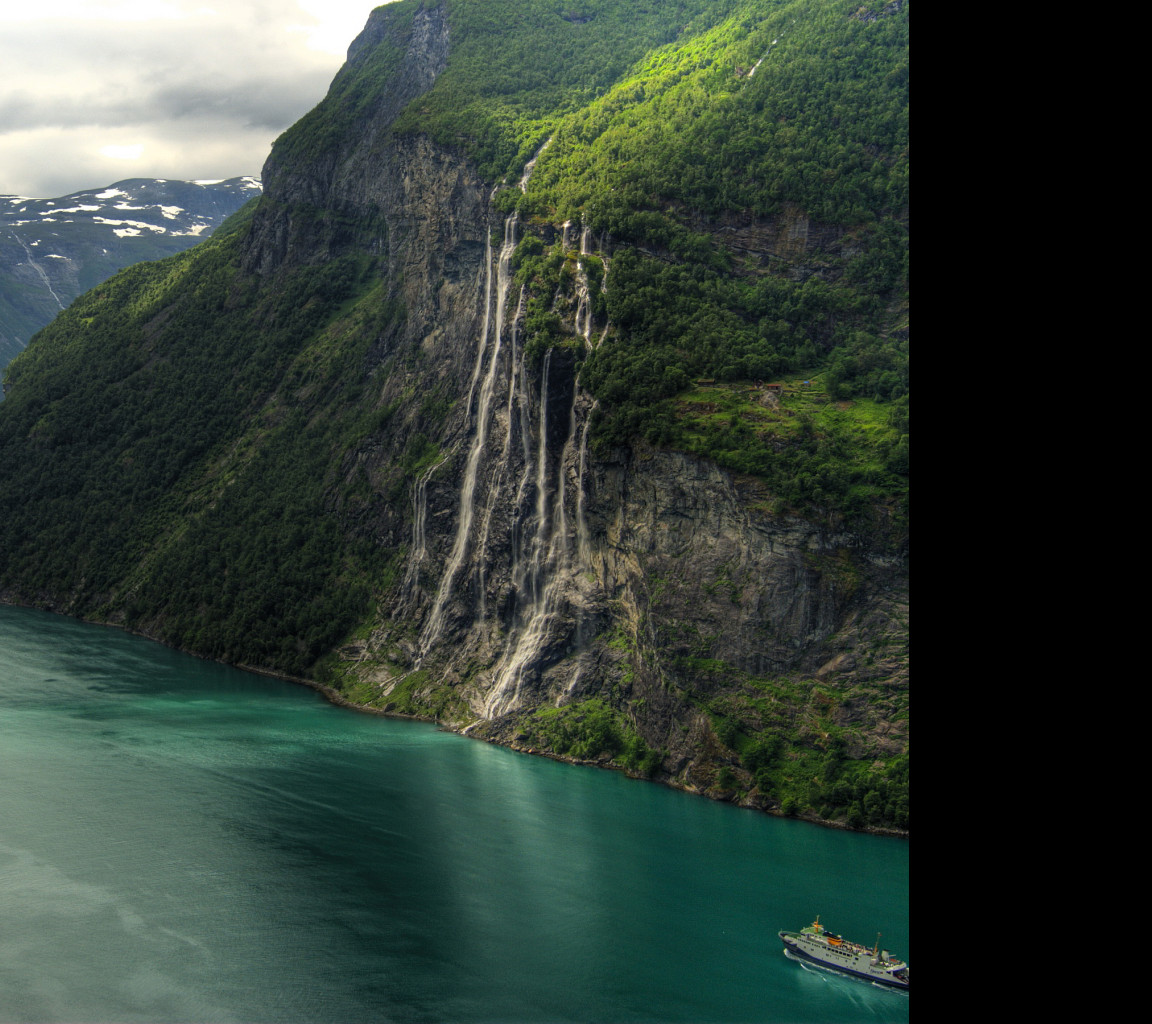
column 419, row 549
column 512, row 508
column 467, row 505
column 36, row 266
column 542, row 574
column 550, row 565
column 499, row 471
column 435, row 624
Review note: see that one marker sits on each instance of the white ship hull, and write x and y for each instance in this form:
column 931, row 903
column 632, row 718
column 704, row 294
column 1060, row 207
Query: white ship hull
column 847, row 957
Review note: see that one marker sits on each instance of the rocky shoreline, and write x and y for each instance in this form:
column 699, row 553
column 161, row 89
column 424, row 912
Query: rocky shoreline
column 721, row 796
column 334, row 696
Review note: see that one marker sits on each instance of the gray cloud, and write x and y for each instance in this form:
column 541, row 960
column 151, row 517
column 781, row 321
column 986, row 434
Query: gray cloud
column 257, row 102
column 203, row 96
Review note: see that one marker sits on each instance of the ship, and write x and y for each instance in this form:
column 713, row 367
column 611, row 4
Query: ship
column 820, row 946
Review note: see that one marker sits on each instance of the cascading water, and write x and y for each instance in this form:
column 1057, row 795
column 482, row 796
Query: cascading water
column 584, row 327
column 536, row 564
column 36, row 266
column 479, row 364
column 516, row 389
column 544, row 572
column 513, row 501
column 550, row 565
column 419, row 548
column 584, row 311
column 434, row 625
column 583, row 538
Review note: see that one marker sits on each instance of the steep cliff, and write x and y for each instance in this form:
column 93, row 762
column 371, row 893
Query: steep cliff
column 407, row 429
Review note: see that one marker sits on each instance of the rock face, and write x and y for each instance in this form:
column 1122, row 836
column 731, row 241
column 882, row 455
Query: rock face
column 52, row 250
column 536, row 573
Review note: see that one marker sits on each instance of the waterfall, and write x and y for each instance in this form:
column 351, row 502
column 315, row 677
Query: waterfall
column 583, row 539
column 435, row 624
column 419, row 549
column 547, row 565
column 516, row 390
column 36, row 266
column 523, row 406
column 541, row 485
column 583, row 305
column 583, row 296
column 549, row 562
column 487, row 317
column 513, row 507
column 560, row 526
column 531, row 164
column 584, row 319
column 467, row 506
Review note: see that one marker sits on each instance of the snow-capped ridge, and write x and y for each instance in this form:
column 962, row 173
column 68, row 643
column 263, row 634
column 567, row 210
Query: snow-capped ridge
column 52, row 250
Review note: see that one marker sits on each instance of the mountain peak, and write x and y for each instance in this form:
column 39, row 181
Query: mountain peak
column 52, row 250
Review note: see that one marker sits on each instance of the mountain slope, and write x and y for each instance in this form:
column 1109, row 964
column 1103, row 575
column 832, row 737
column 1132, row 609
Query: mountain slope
column 52, row 250
column 562, row 401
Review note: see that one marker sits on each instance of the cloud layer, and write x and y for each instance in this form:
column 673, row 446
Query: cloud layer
column 93, row 92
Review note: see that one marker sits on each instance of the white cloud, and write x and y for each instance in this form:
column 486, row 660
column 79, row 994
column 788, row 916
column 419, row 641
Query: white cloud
column 123, row 152
column 102, row 10
column 335, row 24
column 94, row 91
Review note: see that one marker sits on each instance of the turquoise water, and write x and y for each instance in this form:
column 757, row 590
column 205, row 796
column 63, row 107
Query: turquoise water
column 181, row 841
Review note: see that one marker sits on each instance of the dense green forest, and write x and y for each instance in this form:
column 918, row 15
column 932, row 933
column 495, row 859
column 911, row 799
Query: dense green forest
column 182, row 449
column 666, row 122
column 128, row 443
column 735, row 109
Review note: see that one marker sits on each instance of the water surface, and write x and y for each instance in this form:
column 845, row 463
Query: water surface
column 182, row 841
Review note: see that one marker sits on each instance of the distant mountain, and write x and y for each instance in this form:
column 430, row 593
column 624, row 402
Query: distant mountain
column 52, row 250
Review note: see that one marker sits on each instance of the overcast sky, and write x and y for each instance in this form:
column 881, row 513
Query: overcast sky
column 95, row 91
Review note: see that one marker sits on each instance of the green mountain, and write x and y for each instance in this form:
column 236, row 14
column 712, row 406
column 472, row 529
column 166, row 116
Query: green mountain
column 556, row 389
column 52, row 250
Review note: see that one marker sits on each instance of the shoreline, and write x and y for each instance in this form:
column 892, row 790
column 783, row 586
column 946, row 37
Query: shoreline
column 338, row 699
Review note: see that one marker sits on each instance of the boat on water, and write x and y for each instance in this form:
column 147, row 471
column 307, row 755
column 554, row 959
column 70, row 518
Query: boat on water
column 820, row 946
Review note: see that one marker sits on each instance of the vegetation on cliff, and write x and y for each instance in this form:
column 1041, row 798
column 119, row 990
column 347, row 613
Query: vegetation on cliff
column 226, row 458
column 682, row 122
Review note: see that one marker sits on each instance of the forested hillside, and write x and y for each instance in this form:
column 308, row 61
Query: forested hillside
column 556, row 388
column 718, row 115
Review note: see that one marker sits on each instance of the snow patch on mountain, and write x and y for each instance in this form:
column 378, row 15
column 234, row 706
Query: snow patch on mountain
column 89, row 235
